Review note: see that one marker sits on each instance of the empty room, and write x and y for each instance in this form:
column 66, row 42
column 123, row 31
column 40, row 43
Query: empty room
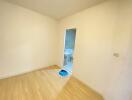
column 65, row 49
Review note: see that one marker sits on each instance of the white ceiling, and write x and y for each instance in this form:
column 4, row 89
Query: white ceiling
column 56, row 8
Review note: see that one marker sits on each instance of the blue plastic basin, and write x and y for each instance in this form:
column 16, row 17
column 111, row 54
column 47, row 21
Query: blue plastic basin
column 63, row 73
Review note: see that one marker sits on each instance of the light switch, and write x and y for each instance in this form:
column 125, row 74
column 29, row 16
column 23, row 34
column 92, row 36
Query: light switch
column 116, row 54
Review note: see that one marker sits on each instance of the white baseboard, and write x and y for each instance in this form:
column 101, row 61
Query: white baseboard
column 12, row 74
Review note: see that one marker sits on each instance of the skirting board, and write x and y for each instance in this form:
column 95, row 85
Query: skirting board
column 13, row 73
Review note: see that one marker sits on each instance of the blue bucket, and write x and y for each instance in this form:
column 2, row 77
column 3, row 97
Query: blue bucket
column 63, row 73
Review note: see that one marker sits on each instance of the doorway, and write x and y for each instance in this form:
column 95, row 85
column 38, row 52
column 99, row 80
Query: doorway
column 69, row 49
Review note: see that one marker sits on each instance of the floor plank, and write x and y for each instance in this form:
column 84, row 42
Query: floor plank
column 45, row 84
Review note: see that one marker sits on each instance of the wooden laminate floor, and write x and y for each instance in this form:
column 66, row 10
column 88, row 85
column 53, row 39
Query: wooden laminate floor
column 45, row 84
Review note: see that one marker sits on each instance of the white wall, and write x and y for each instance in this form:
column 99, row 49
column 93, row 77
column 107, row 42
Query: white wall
column 119, row 87
column 93, row 49
column 28, row 40
column 101, row 31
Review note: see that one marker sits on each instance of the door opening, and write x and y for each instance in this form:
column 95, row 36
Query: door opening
column 68, row 51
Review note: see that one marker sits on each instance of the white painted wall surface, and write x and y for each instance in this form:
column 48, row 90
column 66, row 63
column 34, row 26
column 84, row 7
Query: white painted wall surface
column 28, row 40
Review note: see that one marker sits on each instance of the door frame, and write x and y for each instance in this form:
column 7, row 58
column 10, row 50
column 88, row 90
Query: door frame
column 62, row 63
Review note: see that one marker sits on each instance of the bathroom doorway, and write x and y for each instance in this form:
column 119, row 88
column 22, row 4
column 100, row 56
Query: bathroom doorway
column 69, row 45
column 69, row 49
